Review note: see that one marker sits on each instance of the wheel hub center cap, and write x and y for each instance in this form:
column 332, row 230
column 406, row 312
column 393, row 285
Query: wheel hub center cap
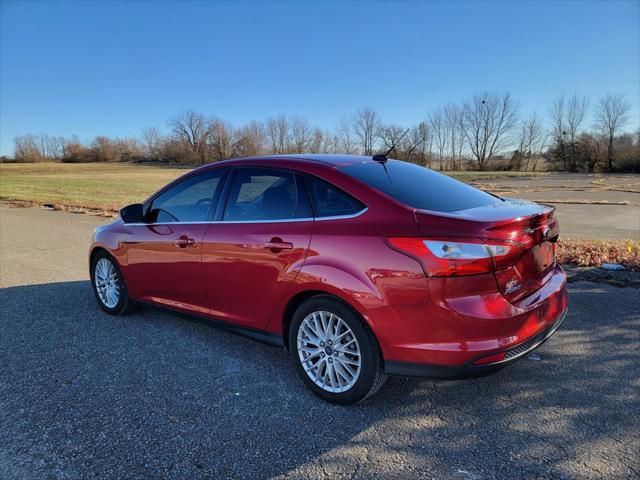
column 328, row 350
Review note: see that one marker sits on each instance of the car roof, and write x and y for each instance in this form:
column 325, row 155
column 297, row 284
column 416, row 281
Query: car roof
column 327, row 159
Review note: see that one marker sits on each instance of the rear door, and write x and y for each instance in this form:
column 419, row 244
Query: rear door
column 255, row 249
column 164, row 254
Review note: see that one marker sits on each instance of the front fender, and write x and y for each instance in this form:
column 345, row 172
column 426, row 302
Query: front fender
column 111, row 237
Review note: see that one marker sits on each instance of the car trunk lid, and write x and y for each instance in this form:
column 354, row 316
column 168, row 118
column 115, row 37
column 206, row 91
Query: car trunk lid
column 531, row 227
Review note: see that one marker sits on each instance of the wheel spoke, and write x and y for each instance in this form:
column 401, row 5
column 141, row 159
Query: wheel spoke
column 311, row 367
column 325, row 324
column 343, row 347
column 313, row 328
column 348, row 361
column 340, row 370
column 318, row 327
column 330, row 326
column 347, row 367
column 313, row 339
column 307, row 349
column 342, row 335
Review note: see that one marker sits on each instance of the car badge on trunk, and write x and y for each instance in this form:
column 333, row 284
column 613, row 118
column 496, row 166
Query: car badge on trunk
column 512, row 287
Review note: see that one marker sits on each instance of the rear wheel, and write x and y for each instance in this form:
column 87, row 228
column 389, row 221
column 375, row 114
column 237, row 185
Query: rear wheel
column 108, row 285
column 334, row 352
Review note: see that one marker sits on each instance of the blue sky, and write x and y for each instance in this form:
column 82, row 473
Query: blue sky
column 112, row 68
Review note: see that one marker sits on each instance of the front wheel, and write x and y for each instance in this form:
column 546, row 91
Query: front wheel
column 334, row 351
column 108, row 285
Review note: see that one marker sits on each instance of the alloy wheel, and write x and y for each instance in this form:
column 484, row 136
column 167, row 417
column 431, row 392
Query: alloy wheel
column 329, row 351
column 107, row 283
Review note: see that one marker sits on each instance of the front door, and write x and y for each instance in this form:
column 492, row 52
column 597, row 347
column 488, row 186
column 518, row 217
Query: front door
column 164, row 254
column 251, row 256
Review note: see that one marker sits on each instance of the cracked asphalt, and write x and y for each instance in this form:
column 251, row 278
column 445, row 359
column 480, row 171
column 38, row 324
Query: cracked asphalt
column 155, row 395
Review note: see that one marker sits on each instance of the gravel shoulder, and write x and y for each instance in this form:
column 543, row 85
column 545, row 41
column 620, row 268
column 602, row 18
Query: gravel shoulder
column 154, row 395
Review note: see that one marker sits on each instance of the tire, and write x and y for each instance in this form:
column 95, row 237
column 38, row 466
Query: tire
column 123, row 305
column 350, row 377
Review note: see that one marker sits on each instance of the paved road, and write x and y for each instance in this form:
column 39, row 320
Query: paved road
column 153, row 395
column 581, row 218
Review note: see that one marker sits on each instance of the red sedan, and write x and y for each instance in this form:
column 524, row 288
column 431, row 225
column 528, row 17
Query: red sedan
column 358, row 267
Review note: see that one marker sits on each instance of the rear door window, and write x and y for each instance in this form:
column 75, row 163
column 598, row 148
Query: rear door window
column 420, row 187
column 263, row 194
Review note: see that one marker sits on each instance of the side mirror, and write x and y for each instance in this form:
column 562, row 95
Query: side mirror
column 132, row 213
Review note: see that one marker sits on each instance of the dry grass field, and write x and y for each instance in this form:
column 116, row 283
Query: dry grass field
column 106, row 187
column 103, row 187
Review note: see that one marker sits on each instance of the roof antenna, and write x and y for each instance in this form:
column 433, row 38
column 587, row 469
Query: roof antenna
column 380, row 158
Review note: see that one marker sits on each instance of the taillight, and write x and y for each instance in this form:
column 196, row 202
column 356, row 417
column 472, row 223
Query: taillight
column 443, row 257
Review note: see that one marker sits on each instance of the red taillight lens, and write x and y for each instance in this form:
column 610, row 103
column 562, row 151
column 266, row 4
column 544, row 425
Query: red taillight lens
column 445, row 257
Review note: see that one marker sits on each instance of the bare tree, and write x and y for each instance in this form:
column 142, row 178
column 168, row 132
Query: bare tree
column 317, row 141
column 57, row 147
column 591, row 149
column 612, row 113
column 567, row 115
column 420, row 137
column 488, row 120
column 249, row 140
column 410, row 144
column 151, row 139
column 390, row 136
column 577, row 107
column 558, row 114
column 531, row 140
column 103, row 149
column 220, row 138
column 330, row 143
column 26, row 148
column 128, row 149
column 277, row 130
column 192, row 128
column 42, row 140
column 439, row 135
column 365, row 129
column 301, row 135
column 452, row 116
column 345, row 137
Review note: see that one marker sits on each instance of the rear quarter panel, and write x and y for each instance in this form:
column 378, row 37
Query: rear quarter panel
column 350, row 259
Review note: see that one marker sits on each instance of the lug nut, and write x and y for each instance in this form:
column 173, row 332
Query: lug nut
column 331, row 360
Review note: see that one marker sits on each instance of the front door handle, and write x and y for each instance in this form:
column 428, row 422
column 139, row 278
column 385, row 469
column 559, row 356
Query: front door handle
column 184, row 242
column 276, row 245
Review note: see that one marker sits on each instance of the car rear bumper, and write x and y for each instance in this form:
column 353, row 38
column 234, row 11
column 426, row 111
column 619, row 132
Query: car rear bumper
column 469, row 369
column 466, row 319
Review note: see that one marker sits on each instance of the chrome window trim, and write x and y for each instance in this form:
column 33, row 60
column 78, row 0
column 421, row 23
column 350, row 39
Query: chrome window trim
column 341, row 217
column 282, row 220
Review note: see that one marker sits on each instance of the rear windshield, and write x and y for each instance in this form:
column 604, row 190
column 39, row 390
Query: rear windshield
column 420, row 187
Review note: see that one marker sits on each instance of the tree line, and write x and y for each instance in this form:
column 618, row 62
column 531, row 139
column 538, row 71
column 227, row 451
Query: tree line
column 484, row 132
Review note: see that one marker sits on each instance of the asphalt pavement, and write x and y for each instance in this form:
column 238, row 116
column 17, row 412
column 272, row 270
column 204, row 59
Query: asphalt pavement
column 155, row 395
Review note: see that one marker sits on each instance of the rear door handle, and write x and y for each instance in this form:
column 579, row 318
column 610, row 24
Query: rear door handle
column 183, row 242
column 277, row 244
